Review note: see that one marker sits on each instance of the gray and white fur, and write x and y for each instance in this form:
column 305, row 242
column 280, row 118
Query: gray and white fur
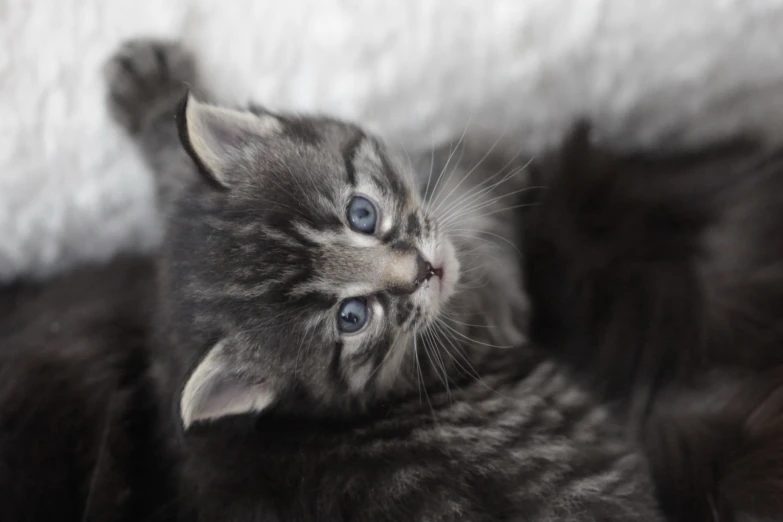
column 433, row 408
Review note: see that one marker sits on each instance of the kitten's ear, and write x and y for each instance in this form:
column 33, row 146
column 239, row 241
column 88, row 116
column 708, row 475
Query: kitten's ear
column 216, row 138
column 215, row 389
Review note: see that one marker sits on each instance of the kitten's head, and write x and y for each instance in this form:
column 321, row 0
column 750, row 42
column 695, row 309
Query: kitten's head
column 301, row 268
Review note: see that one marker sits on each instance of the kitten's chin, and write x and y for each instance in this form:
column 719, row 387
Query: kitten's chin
column 446, row 258
column 432, row 297
column 440, row 288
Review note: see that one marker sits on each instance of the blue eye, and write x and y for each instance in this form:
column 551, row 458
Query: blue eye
column 362, row 215
column 353, row 315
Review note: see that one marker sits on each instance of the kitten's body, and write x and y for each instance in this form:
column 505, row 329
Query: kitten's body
column 288, row 420
column 517, row 447
column 439, row 456
column 660, row 278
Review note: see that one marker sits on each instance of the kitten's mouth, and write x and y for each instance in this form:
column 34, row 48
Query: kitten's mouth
column 447, row 270
column 428, row 271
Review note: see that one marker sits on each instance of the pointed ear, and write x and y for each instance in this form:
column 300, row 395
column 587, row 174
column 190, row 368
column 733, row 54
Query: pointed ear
column 215, row 138
column 216, row 390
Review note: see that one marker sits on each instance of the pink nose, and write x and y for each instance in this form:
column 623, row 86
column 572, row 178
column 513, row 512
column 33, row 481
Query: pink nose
column 425, row 270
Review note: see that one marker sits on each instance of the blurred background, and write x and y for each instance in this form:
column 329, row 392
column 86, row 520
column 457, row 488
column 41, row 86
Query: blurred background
column 72, row 188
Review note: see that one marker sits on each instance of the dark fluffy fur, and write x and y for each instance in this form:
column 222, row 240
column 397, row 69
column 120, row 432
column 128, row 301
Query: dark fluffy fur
column 78, row 441
column 510, row 437
column 660, row 277
column 77, row 418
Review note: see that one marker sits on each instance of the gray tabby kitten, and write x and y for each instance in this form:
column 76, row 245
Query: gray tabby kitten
column 336, row 348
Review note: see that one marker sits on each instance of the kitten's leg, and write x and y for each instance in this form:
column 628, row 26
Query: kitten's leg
column 146, row 79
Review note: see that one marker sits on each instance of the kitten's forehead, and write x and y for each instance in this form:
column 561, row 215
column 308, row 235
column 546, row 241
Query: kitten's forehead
column 316, row 165
column 289, row 223
column 372, row 165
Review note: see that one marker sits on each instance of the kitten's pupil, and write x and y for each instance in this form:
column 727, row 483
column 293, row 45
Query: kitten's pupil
column 353, row 315
column 362, row 215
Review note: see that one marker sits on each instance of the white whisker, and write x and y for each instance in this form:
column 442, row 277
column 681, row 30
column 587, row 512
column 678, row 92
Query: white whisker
column 432, row 166
column 422, row 383
column 386, row 356
column 477, row 192
column 472, row 372
column 448, row 160
column 477, row 235
column 466, row 176
column 504, row 209
column 410, row 174
column 473, row 340
column 100, row 457
column 483, row 204
column 448, row 317
column 437, row 363
column 444, row 335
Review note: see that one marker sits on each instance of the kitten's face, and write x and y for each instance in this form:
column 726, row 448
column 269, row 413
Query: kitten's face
column 378, row 273
column 317, row 263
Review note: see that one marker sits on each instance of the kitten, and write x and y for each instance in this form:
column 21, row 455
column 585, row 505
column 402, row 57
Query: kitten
column 660, row 278
column 305, row 296
column 324, row 344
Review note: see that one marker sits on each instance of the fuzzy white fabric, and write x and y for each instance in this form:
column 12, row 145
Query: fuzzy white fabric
column 72, row 188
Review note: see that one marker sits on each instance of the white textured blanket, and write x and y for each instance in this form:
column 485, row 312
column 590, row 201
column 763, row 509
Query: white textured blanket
column 72, row 188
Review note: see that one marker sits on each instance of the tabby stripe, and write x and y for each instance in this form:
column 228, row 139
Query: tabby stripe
column 301, row 131
column 392, row 235
column 378, row 182
column 292, row 231
column 349, row 153
column 319, row 300
column 398, row 187
column 404, row 311
column 589, row 471
column 334, row 364
column 403, row 246
column 371, row 353
column 383, row 299
column 414, row 225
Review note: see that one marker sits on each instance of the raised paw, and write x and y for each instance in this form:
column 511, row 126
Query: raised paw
column 145, row 79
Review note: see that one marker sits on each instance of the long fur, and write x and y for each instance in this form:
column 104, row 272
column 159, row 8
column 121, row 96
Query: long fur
column 497, row 434
column 660, row 278
column 78, row 435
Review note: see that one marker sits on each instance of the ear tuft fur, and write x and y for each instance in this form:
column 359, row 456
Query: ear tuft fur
column 218, row 139
column 215, row 390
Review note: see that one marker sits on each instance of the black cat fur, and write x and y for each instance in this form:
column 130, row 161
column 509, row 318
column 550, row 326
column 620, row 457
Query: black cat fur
column 77, row 436
column 659, row 278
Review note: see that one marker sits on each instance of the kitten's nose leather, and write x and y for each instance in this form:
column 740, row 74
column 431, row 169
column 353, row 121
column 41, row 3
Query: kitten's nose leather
column 425, row 270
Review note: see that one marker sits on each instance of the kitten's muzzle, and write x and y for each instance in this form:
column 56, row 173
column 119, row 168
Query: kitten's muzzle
column 425, row 271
